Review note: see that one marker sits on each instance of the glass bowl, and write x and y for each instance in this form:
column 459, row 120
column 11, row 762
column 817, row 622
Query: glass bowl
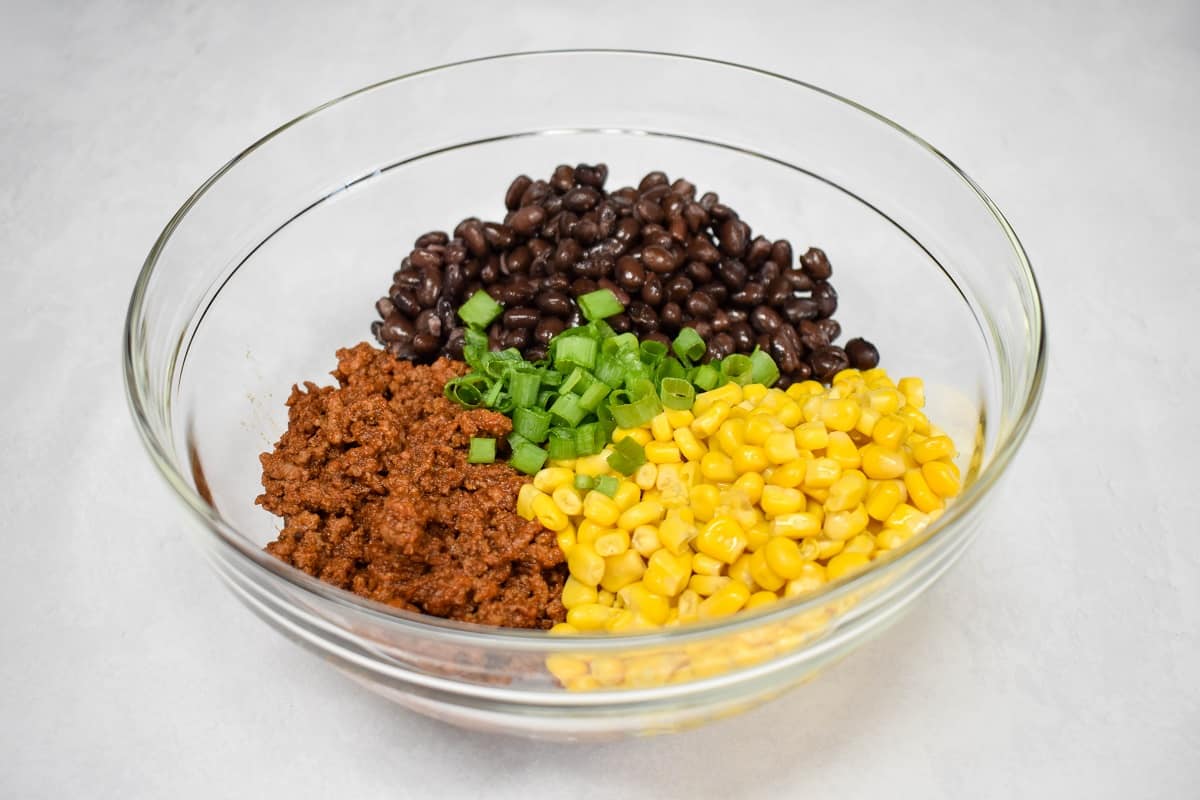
column 277, row 260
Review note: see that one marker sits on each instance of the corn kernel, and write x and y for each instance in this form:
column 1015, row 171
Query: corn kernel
column 724, row 601
column 760, row 599
column 762, row 573
column 919, row 493
column 565, row 667
column 679, row 417
column 847, row 491
column 812, row 576
column 867, row 421
column 601, row 509
column 904, row 516
column 891, row 538
column 587, row 531
column 640, row 600
column 627, row 495
column 606, row 598
column 563, row 629
column 677, row 530
column 796, row 526
column 812, row 436
column 723, row 539
column 550, row 478
column 575, row 593
column 841, row 525
column 590, row 616
column 880, row 463
column 691, row 447
column 646, row 476
column 751, row 484
column 916, row 419
column 739, row 570
column 639, row 435
column 620, row 570
column 885, row 400
column 731, row 435
column 820, row 473
column 593, row 465
column 566, row 539
column 705, row 585
column 789, row 413
column 568, row 501
column 730, row 394
column 645, row 540
column 585, row 564
column 704, row 498
column 841, row 414
column 668, row 574
column 933, row 449
column 913, row 390
column 883, row 497
column 717, row 467
column 525, row 497
column 780, row 447
column 941, row 478
column 841, row 448
column 708, row 421
column 777, row 500
column 862, row 543
column 757, row 535
column 784, row 558
column 548, row 513
column 663, row 453
column 759, row 426
column 704, row 564
column 845, row 564
column 827, row 548
column 789, row 475
column 891, row 431
column 612, row 543
column 647, row 512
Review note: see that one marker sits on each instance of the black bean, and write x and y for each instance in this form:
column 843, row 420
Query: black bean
column 630, row 273
column 708, row 200
column 815, row 264
column 556, row 283
column 643, row 316
column 454, row 280
column 517, row 337
column 402, row 350
column 786, row 357
column 831, row 327
column 553, row 205
column 566, row 254
column 538, row 191
column 384, row 307
column 701, row 249
column 528, row 219
column 811, row 335
column 826, row 298
column 489, row 273
column 547, row 328
column 719, row 292
column 828, row 361
column 455, row 341
column 683, row 188
column 678, row 288
column 702, row 327
column 752, row 294
column 563, row 178
column 520, row 317
column 764, row 319
column 620, row 323
column 721, row 212
column 651, row 180
column 426, row 344
column 862, row 354
column 652, row 291
column 758, row 251
column 648, row 211
column 498, row 237
column 721, row 321
column 734, row 235
column 591, row 175
column 700, row 305
column 606, row 218
column 608, row 248
column 515, row 261
column 407, row 277
column 799, row 281
column 516, row 190
column 779, row 291
column 658, row 259
column 699, row 272
column 720, row 346
column 781, row 254
column 732, row 273
column 743, row 336
column 627, row 231
column 799, row 309
column 695, row 216
column 471, row 232
column 586, row 232
column 456, row 253
column 432, row 237
column 737, row 315
column 431, row 286
column 582, row 286
column 768, row 272
column 672, row 205
column 554, row 302
column 406, row 302
column 396, row 329
column 670, row 316
column 621, row 295
column 583, row 198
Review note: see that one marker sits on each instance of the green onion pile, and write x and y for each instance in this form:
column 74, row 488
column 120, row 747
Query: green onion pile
column 592, row 381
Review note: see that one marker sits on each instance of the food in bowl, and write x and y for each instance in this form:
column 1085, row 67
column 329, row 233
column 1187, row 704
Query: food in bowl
column 683, row 438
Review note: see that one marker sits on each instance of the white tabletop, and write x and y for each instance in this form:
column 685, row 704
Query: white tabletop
column 1058, row 659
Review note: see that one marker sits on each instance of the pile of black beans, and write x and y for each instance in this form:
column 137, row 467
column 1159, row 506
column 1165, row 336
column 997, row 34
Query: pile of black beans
column 672, row 259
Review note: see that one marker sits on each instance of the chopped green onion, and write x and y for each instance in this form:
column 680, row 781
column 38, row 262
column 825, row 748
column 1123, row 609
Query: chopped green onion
column 528, row 458
column 589, row 439
column 532, row 423
column 706, row 377
column 561, row 445
column 575, row 351
column 671, row 368
column 592, row 396
column 677, row 394
column 467, row 390
column 599, row 304
column 762, row 368
column 652, row 351
column 546, row 397
column 567, row 408
column 523, row 385
column 736, row 368
column 571, row 381
column 483, row 451
column 689, row 346
column 606, row 484
column 515, row 440
column 627, row 456
column 492, row 398
column 479, row 311
column 584, row 482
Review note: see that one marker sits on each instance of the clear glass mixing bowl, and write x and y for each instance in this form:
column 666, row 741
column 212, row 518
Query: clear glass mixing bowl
column 276, row 261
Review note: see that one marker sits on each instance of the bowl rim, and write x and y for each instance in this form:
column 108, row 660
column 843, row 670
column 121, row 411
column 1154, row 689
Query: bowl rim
column 538, row 640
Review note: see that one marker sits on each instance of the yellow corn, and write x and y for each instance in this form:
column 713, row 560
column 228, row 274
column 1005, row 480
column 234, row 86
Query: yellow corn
column 729, row 394
column 663, row 453
column 647, row 512
column 847, row 491
column 841, row 414
column 550, row 478
column 789, row 475
column 660, row 428
column 916, row 419
column 919, row 493
column 525, row 497
column 612, row 543
column 650, row 605
column 679, row 417
column 723, row 539
column 739, row 570
column 585, row 564
column 646, row 476
column 760, row 599
column 763, row 574
column 567, row 499
column 891, row 431
column 841, row 448
column 777, row 500
column 704, row 564
column 587, row 531
column 705, row 497
column 844, row 564
column 620, row 570
column 789, row 413
column 731, row 435
column 688, row 444
column 751, row 484
column 933, row 448
column 862, row 543
column 883, row 498
column 784, row 558
column 548, row 513
column 639, row 435
column 594, row 465
column 812, row 436
column 796, row 526
column 566, row 539
column 717, row 467
column 820, row 473
column 941, row 478
column 881, row 464
column 627, row 495
column 904, row 516
column 891, row 538
column 841, row 525
column 884, row 400
column 600, row 508
column 708, row 421
column 759, row 426
column 757, row 535
column 705, row 585
column 645, row 540
column 867, row 421
column 780, row 447
column 668, row 574
column 724, row 601
column 590, row 616
column 812, row 576
column 576, row 593
column 677, row 530
column 913, row 390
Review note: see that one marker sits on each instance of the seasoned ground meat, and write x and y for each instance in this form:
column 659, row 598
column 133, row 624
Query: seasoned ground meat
column 372, row 482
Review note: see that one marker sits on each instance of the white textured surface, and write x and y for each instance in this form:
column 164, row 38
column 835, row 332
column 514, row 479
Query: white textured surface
column 1059, row 659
